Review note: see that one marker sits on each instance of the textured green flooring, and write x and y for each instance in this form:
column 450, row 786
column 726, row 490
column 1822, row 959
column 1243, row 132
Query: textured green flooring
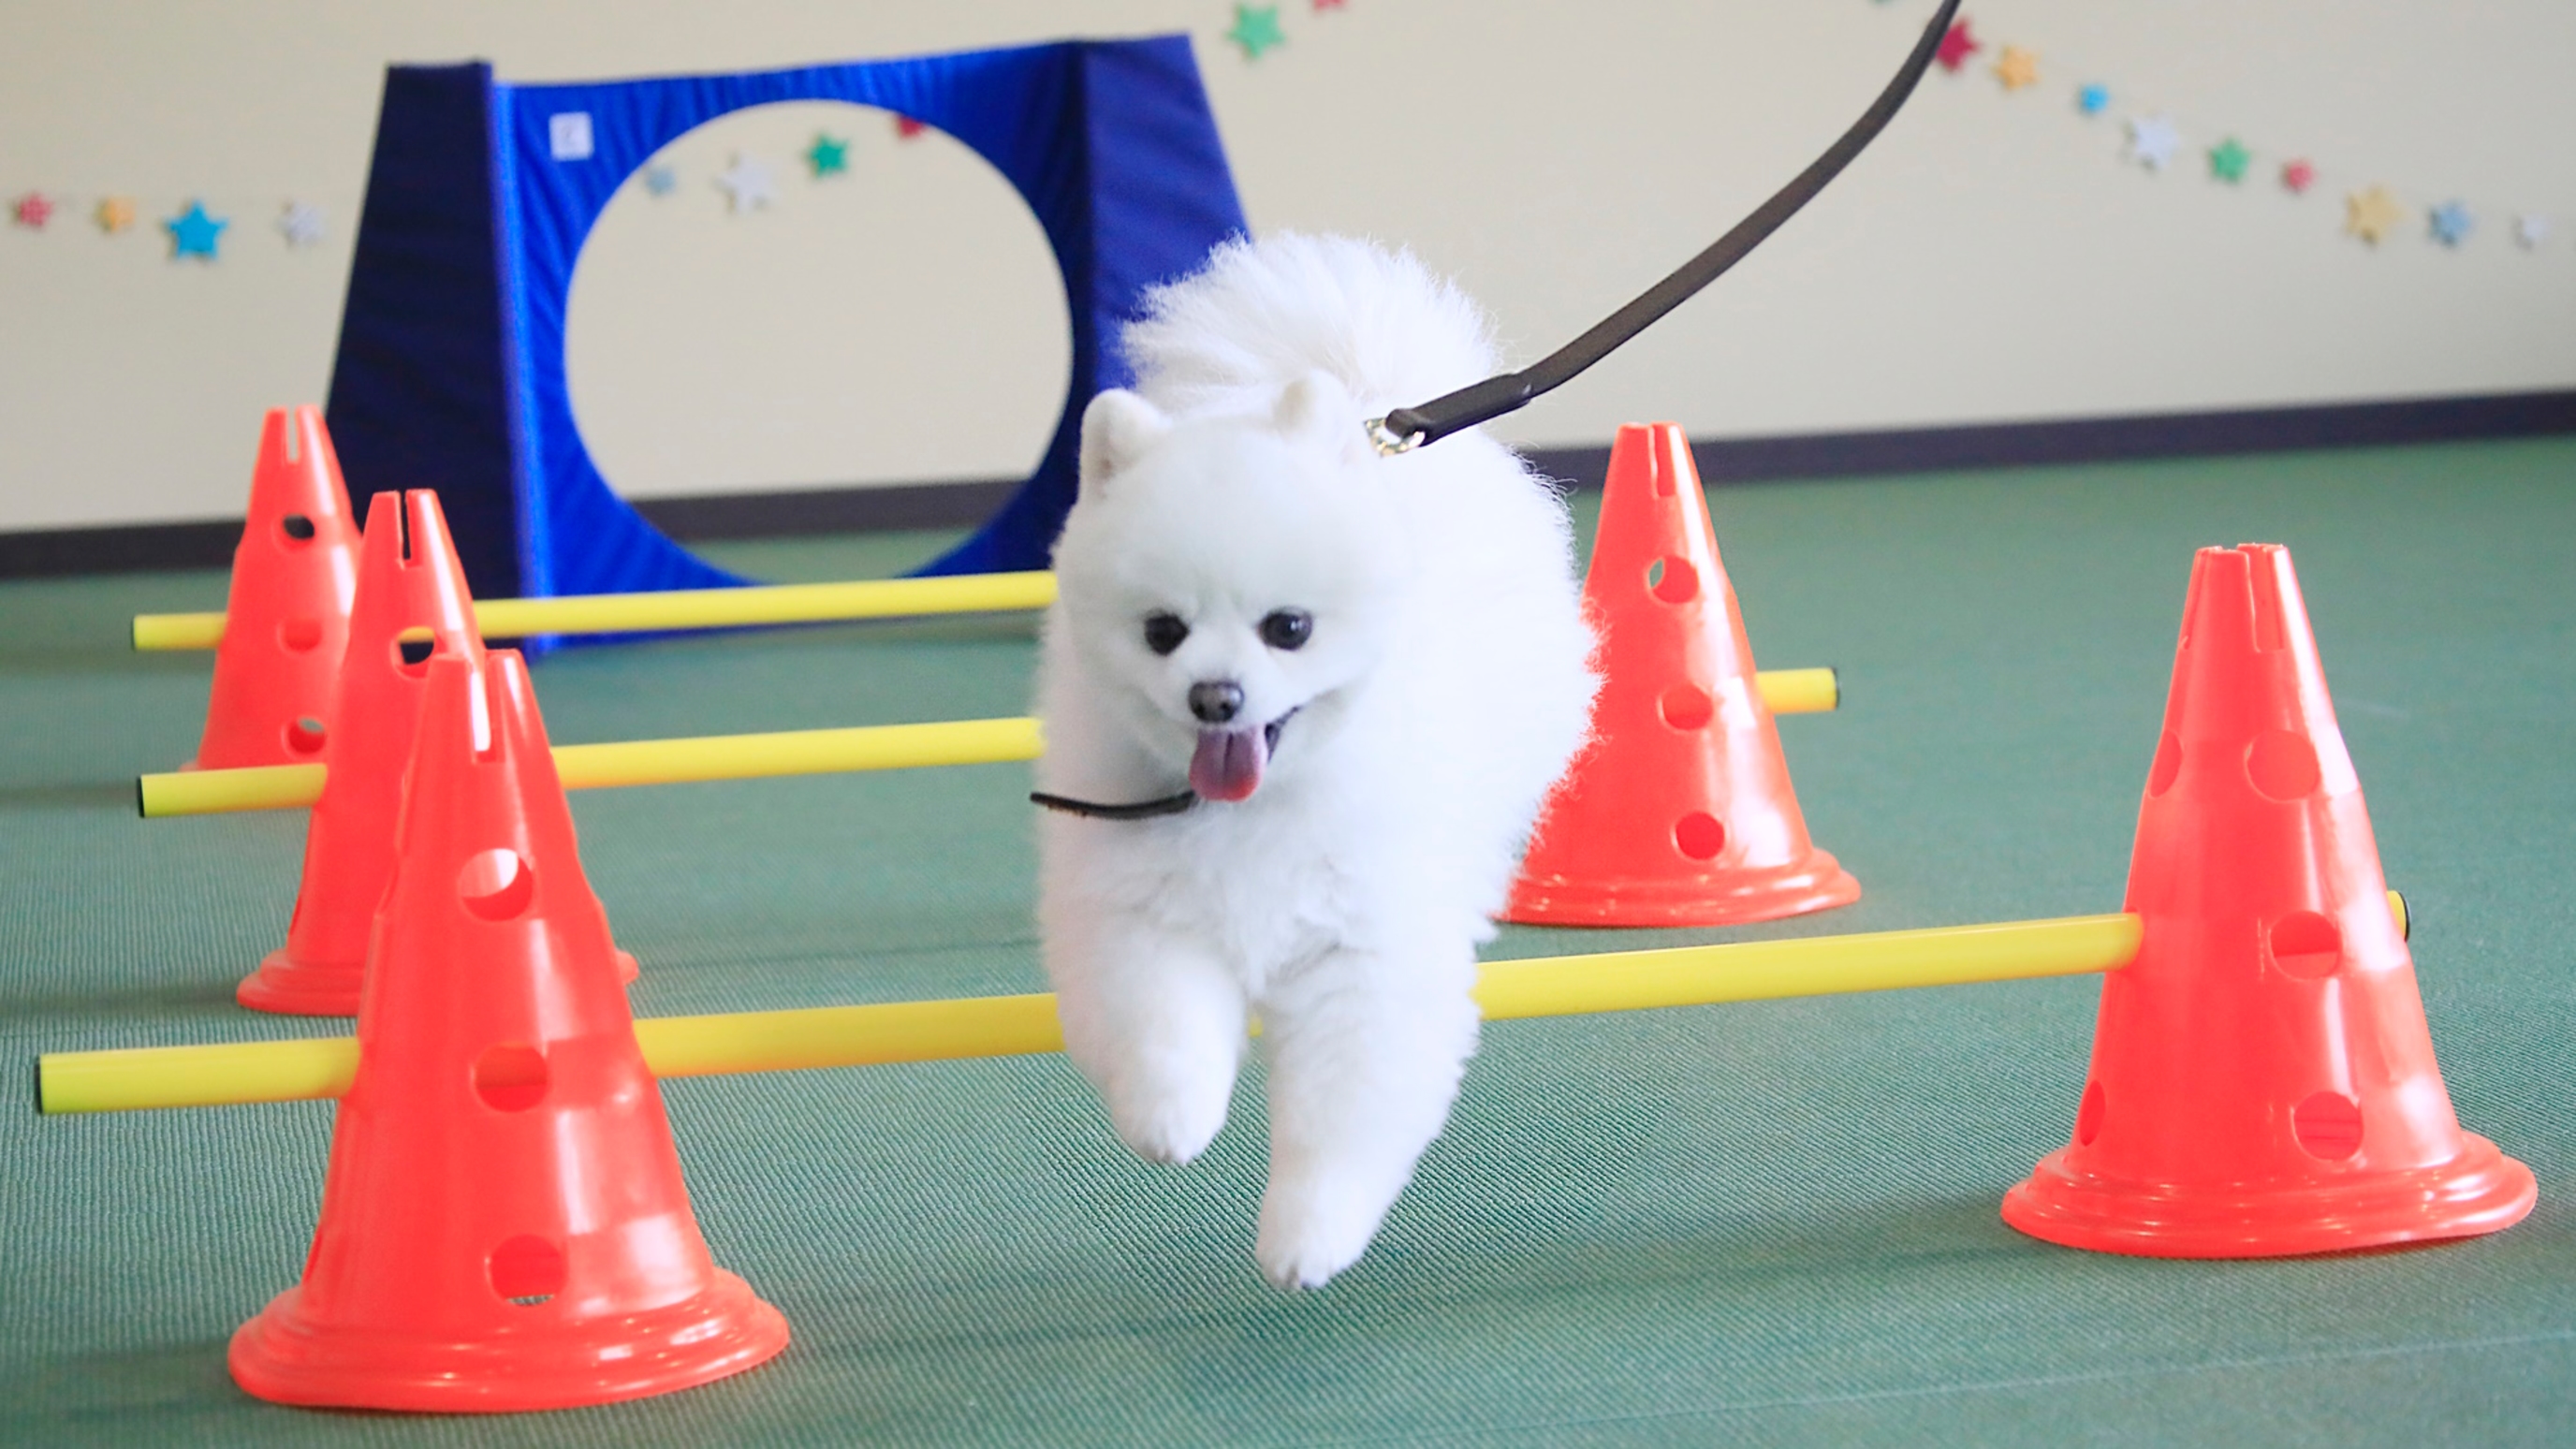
column 1768, row 1224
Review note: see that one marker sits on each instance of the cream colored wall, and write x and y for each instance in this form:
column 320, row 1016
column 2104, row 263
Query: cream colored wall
column 1991, row 259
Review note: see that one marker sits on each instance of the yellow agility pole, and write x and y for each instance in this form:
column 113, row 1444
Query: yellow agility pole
column 991, row 1026
column 134, row 1079
column 644, row 762
column 692, row 608
column 744, row 757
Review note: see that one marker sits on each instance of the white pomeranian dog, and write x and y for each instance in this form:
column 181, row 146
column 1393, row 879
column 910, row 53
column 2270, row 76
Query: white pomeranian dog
column 1348, row 679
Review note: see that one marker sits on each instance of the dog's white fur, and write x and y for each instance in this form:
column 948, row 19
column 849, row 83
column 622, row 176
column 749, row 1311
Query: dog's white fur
column 1445, row 687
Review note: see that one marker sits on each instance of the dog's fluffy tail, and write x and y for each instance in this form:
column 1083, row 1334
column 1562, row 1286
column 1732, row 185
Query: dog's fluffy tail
column 1261, row 314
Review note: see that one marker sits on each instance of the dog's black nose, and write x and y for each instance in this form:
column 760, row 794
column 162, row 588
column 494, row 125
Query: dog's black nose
column 1216, row 701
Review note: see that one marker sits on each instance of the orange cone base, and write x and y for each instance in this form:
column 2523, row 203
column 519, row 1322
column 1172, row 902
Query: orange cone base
column 2480, row 1191
column 285, row 1358
column 1720, row 898
column 290, row 987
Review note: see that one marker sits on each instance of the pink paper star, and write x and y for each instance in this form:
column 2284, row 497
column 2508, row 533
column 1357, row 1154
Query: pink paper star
column 2298, row 176
column 1324, row 5
column 1957, row 46
column 33, row 210
column 905, row 128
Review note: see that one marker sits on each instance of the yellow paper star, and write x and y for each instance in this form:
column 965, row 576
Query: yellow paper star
column 115, row 214
column 2371, row 215
column 2017, row 67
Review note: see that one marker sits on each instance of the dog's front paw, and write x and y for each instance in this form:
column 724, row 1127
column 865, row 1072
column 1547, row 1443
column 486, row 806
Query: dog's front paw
column 1170, row 1117
column 1309, row 1232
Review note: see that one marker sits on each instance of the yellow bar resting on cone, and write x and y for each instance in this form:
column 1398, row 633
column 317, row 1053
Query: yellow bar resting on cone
column 986, row 1026
column 646, row 762
column 693, row 608
column 992, row 1026
column 745, row 757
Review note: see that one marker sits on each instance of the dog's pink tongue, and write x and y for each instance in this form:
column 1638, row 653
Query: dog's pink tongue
column 1228, row 764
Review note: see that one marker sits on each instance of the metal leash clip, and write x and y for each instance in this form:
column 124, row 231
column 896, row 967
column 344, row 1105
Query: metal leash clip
column 1387, row 441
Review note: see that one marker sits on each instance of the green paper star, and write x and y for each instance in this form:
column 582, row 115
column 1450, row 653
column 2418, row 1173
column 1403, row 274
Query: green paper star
column 1256, row 29
column 2227, row 161
column 828, row 156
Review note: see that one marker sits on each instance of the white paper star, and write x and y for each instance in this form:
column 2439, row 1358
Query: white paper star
column 301, row 223
column 2531, row 231
column 2152, row 140
column 749, row 184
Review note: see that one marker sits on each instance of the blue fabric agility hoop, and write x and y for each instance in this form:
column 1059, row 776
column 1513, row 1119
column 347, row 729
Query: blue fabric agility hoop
column 450, row 370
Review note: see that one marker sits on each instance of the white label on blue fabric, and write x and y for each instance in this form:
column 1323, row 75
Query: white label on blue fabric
column 569, row 131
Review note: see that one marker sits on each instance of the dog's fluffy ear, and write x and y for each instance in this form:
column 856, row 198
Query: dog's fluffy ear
column 1317, row 410
column 1116, row 428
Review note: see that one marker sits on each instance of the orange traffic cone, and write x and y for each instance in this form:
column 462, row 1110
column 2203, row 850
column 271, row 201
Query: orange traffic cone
column 504, row 1226
column 286, row 615
column 2262, row 1083
column 409, row 580
column 1681, row 812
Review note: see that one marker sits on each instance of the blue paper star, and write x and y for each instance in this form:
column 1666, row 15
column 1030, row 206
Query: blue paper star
column 2451, row 223
column 659, row 179
column 2092, row 99
column 193, row 233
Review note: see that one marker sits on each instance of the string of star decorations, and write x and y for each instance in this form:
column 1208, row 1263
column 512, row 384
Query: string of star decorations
column 1257, row 28
column 750, row 184
column 200, row 229
column 2372, row 212
column 196, row 229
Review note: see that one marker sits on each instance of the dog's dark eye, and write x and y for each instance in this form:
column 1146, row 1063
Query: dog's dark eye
column 1164, row 632
column 1287, row 628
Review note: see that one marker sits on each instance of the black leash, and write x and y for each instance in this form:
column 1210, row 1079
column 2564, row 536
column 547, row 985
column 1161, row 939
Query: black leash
column 1408, row 428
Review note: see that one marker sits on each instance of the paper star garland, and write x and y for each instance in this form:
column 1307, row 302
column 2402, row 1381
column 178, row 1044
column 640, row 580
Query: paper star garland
column 660, row 179
column 1256, row 29
column 748, row 184
column 2017, row 67
column 1956, row 46
column 829, row 156
column 33, row 210
column 2152, row 140
column 195, row 234
column 2371, row 215
column 301, row 223
column 114, row 214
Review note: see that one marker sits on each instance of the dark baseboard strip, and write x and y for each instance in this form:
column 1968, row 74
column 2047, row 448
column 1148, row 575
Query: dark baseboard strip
column 827, row 510
column 2099, row 440
column 119, row 548
column 209, row 544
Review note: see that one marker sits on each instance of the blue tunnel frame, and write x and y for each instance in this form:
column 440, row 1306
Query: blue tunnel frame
column 450, row 369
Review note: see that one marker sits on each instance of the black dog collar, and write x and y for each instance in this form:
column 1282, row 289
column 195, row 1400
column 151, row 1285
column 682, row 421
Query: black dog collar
column 1141, row 810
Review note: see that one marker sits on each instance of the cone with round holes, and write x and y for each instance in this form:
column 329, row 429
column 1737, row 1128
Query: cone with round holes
column 408, row 581
column 2262, row 1083
column 1680, row 813
column 504, row 1226
column 286, row 616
